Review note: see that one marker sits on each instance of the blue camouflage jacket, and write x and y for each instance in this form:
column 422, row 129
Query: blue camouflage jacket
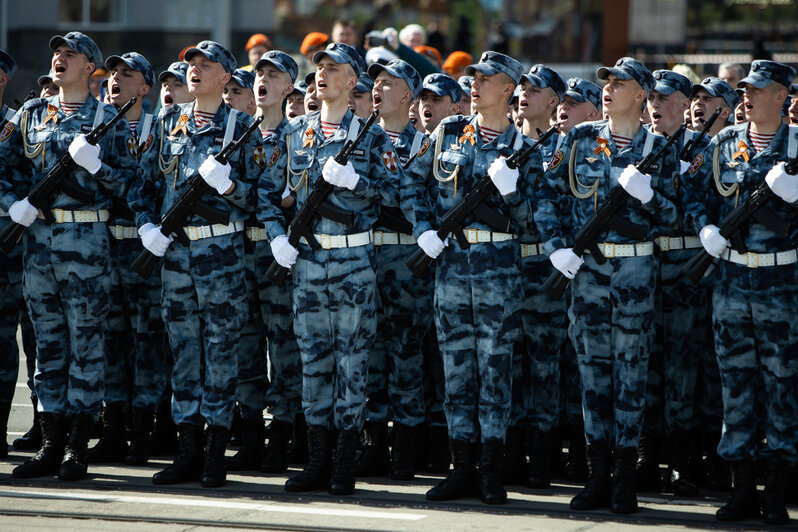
column 408, row 139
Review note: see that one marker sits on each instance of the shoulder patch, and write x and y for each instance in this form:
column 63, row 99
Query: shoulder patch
column 147, row 143
column 274, row 157
column 259, row 156
column 696, row 164
column 7, row 131
column 131, row 147
column 424, row 147
column 556, row 160
column 389, row 159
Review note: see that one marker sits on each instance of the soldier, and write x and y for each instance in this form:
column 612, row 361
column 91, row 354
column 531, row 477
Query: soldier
column 476, row 289
column 66, row 264
column 792, row 112
column 174, row 88
column 238, row 93
column 580, row 103
column 204, row 292
column 612, row 305
column 439, row 97
column 395, row 379
column 257, row 45
column 295, row 103
column 312, row 101
column 707, row 96
column 464, row 106
column 754, row 292
column 360, row 100
column 334, row 287
column 48, row 88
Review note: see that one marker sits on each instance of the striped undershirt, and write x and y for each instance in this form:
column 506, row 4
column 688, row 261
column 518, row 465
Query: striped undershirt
column 393, row 135
column 620, row 141
column 201, row 119
column 328, row 129
column 266, row 133
column 760, row 141
column 134, row 124
column 70, row 108
column 488, row 134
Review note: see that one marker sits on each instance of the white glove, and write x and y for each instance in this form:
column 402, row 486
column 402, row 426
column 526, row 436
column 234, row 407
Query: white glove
column 340, row 176
column 503, row 176
column 284, row 253
column 636, row 184
column 153, row 240
column 23, row 213
column 431, row 243
column 566, row 261
column 712, row 240
column 217, row 175
column 85, row 155
column 391, row 37
column 783, row 184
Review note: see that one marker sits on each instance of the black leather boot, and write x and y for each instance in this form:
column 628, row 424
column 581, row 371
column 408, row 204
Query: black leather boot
column 577, row 462
column 514, row 461
column 276, row 459
column 540, row 460
column 316, row 474
column 462, row 480
column 298, row 448
column 774, row 509
column 342, row 480
column 597, row 489
column 187, row 465
column 402, row 466
column 438, row 456
column 139, row 451
column 623, row 498
column 743, row 503
column 5, row 409
column 648, row 475
column 112, row 446
column 48, row 460
column 164, row 439
column 375, row 461
column 491, row 490
column 214, row 473
column 250, row 455
column 76, row 462
column 31, row 440
column 680, row 474
column 717, row 470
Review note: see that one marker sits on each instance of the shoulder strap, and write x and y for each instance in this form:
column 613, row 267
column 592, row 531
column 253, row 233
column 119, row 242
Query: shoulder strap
column 99, row 114
column 10, row 114
column 354, row 129
column 649, row 144
column 792, row 142
column 229, row 131
column 146, row 125
column 519, row 141
column 418, row 138
column 560, row 138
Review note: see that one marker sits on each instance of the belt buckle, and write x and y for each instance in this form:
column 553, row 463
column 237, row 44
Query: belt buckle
column 605, row 250
column 471, row 236
column 378, row 238
column 58, row 214
column 749, row 263
column 192, row 233
column 325, row 241
column 524, row 251
column 665, row 243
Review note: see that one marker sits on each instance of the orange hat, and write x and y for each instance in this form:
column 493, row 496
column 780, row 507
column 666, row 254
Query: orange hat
column 99, row 73
column 456, row 62
column 430, row 52
column 313, row 40
column 182, row 53
column 258, row 39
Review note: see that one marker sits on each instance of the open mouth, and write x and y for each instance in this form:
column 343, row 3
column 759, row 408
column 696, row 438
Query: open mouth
column 60, row 69
column 698, row 114
column 377, row 100
column 292, row 114
column 194, row 80
column 474, row 95
column 426, row 113
column 320, row 84
column 313, row 106
column 262, row 91
column 563, row 117
column 168, row 100
column 655, row 116
column 115, row 90
column 523, row 104
column 606, row 100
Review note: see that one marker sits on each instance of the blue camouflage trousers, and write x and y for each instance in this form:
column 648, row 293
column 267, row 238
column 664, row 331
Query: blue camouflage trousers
column 135, row 360
column 476, row 313
column 545, row 330
column 404, row 312
column 433, row 377
column 204, row 306
column 67, row 283
column 335, row 323
column 756, row 341
column 11, row 303
column 252, row 382
column 612, row 317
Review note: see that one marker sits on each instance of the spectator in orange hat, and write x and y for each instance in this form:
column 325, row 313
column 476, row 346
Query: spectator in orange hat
column 312, row 43
column 182, row 54
column 431, row 53
column 455, row 64
column 256, row 46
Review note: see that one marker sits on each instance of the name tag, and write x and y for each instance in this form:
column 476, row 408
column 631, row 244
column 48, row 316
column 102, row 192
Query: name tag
column 359, row 152
column 86, row 128
column 217, row 141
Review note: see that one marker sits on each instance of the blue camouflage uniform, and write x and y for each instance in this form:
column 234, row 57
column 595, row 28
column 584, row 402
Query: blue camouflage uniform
column 204, row 292
column 476, row 289
column 612, row 305
column 334, row 296
column 754, row 293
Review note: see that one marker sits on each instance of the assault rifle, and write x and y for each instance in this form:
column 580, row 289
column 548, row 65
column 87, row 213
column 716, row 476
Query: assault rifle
column 607, row 218
column 58, row 179
column 687, row 154
column 189, row 202
column 453, row 222
column 314, row 204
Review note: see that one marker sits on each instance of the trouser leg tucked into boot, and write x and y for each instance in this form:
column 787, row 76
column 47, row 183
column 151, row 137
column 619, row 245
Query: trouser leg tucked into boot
column 342, row 481
column 623, row 498
column 743, row 503
column 462, row 480
column 375, row 460
column 188, row 462
column 540, row 460
column 316, row 474
column 774, row 510
column 597, row 489
column 402, row 466
column 48, row 460
column 250, row 455
column 276, row 459
column 112, row 446
column 514, row 460
column 214, row 473
column 139, row 451
column 75, row 462
column 491, row 490
column 438, row 455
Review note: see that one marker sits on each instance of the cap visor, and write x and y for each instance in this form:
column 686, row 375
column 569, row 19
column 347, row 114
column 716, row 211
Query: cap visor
column 604, row 73
column 760, row 82
column 664, row 89
column 481, row 67
column 576, row 96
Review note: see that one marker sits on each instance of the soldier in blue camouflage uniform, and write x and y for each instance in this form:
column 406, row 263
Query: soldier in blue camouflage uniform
column 334, row 287
column 404, row 302
column 537, row 371
column 476, row 289
column 66, row 264
column 612, row 305
column 360, row 98
column 754, row 290
column 204, row 291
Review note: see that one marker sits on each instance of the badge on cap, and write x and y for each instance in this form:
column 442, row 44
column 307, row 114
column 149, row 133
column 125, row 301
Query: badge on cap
column 468, row 134
column 742, row 151
column 259, row 156
column 602, row 147
column 181, row 125
column 308, row 142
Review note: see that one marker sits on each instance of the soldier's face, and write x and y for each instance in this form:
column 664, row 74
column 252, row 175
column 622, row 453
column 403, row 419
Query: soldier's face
column 334, row 80
column 666, row 111
column 763, row 104
column 69, row 66
column 239, row 98
column 464, row 105
column 271, row 86
column 622, row 96
column 702, row 106
column 205, row 77
column 390, row 94
column 535, row 102
column 739, row 114
column 173, row 91
column 792, row 111
column 312, row 102
column 434, row 108
column 571, row 113
column 360, row 103
column 48, row 89
column 492, row 91
column 125, row 83
column 294, row 105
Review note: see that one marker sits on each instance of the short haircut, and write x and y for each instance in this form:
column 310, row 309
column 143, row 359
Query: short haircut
column 733, row 66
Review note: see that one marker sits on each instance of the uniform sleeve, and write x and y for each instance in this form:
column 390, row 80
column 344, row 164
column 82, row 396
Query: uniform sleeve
column 146, row 187
column 245, row 172
column 118, row 164
column 553, row 201
column 10, row 159
column 270, row 188
column 695, row 191
column 520, row 201
column 381, row 186
column 416, row 190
